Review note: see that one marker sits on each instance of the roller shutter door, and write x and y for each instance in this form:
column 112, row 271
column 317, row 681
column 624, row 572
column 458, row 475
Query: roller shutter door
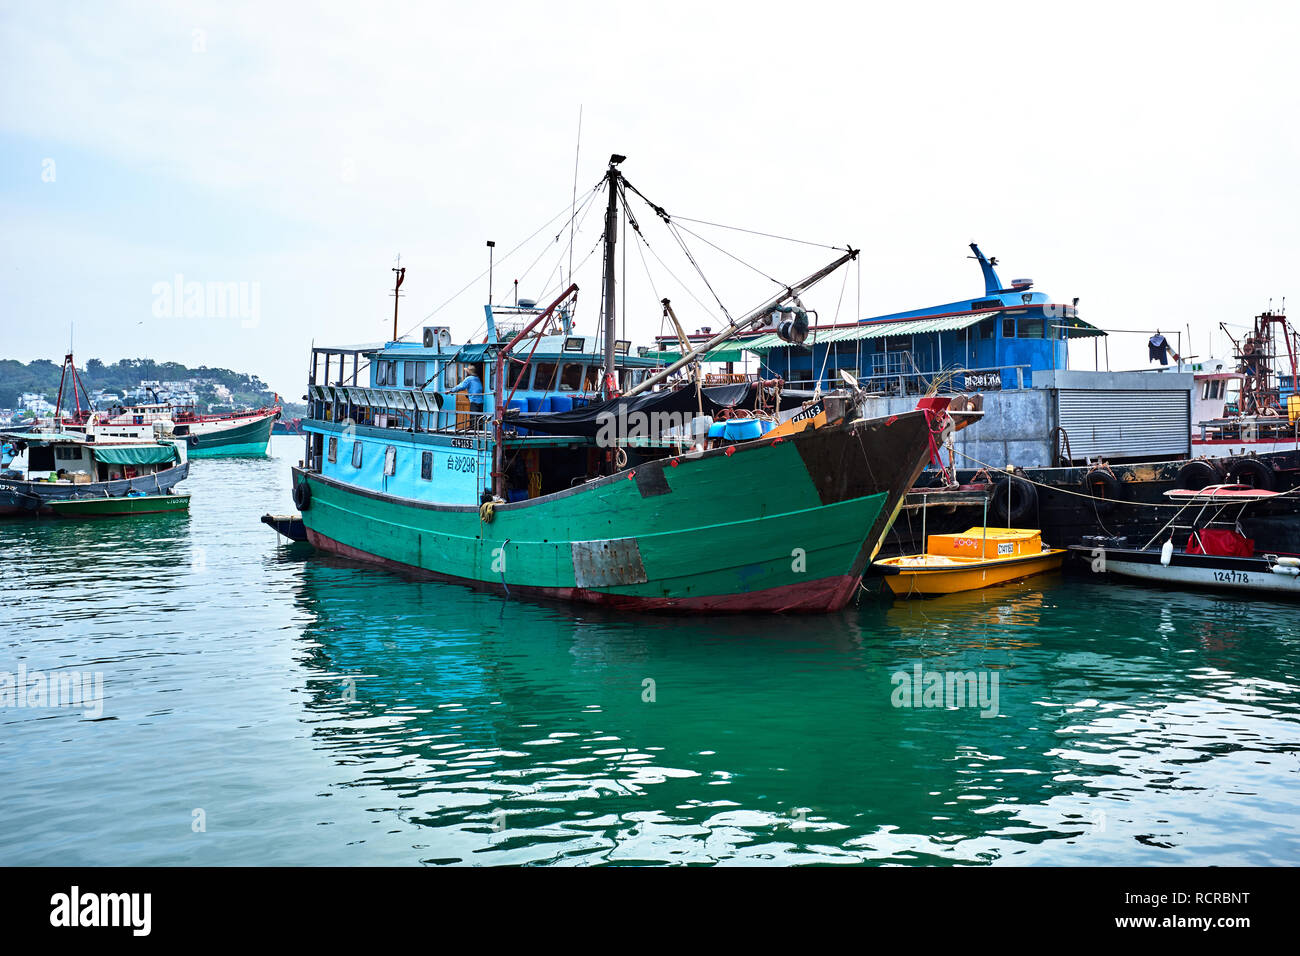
column 1123, row 423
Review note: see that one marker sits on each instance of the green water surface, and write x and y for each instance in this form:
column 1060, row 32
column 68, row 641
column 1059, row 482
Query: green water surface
column 265, row 705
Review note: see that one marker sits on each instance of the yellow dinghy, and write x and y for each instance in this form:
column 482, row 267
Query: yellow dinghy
column 974, row 559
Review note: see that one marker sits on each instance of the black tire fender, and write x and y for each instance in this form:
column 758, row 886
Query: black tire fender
column 1198, row 473
column 1023, row 495
column 1103, row 487
column 1252, row 471
column 302, row 496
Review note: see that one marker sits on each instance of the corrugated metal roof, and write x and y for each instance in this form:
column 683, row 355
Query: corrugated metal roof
column 868, row 330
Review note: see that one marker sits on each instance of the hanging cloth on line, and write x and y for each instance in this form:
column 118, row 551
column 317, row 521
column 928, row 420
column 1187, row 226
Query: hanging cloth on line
column 1158, row 349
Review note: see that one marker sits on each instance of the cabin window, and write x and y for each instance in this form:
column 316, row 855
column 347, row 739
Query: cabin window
column 40, row 458
column 898, row 343
column 421, row 374
column 408, row 374
column 544, row 377
column 986, row 328
column 356, row 454
column 1008, row 328
column 64, row 453
column 986, row 304
column 334, row 448
column 390, row 460
column 1213, row 389
column 426, row 466
column 571, row 378
column 1031, row 328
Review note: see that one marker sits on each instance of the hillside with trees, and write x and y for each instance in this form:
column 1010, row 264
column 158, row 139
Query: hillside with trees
column 42, row 376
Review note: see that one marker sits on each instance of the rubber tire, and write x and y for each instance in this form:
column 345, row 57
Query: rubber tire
column 1113, row 489
column 1252, row 471
column 302, row 496
column 1199, row 473
column 1024, row 500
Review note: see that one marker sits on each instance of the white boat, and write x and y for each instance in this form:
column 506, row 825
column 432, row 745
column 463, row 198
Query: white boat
column 1204, row 546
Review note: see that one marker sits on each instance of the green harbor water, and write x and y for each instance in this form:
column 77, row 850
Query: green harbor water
column 264, row 705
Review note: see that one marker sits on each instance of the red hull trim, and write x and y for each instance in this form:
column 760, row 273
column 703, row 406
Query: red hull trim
column 820, row 596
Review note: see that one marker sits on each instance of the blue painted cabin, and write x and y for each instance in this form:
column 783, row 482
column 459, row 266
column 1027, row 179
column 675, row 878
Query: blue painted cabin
column 996, row 340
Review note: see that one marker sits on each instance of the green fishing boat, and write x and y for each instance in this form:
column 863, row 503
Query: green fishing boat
column 578, row 473
column 117, row 507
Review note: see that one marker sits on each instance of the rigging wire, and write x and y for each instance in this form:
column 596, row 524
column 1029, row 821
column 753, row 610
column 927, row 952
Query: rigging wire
column 747, row 265
column 755, row 232
column 663, row 214
column 470, row 284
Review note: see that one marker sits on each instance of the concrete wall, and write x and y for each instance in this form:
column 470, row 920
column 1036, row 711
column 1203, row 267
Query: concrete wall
column 1015, row 430
column 1017, row 425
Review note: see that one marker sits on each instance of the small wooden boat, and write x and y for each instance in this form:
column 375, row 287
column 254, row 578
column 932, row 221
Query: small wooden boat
column 108, row 507
column 975, row 559
column 1205, row 546
column 290, row 526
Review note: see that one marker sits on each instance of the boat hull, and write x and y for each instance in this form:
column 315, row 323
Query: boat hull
column 1193, row 571
column 921, row 582
column 768, row 525
column 119, row 507
column 32, row 497
column 249, row 437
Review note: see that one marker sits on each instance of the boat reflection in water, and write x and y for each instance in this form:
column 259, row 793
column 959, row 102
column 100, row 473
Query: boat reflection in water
column 487, row 731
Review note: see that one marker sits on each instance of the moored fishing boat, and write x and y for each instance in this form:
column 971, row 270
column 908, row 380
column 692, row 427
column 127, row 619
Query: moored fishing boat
column 978, row 558
column 633, row 499
column 206, row 436
column 65, row 466
column 1205, row 546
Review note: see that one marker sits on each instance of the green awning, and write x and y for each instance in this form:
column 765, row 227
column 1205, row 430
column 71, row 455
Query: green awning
column 1079, row 329
column 134, row 454
column 723, row 353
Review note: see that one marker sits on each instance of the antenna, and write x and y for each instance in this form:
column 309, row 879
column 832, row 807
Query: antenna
column 491, row 255
column 577, row 151
column 400, row 271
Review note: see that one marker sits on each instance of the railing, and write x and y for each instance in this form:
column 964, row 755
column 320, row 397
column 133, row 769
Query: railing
column 914, row 383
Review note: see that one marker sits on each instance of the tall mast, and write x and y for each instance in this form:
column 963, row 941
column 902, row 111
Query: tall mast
column 611, row 238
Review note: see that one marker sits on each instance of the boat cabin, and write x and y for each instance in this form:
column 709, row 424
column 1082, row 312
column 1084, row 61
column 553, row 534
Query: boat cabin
column 408, row 417
column 72, row 458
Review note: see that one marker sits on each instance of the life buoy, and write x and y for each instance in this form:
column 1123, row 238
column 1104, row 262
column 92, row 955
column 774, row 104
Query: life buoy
column 1103, row 487
column 1253, row 472
column 302, row 496
column 1198, row 473
column 1023, row 499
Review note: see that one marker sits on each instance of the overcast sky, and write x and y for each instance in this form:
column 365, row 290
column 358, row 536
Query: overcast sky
column 1140, row 156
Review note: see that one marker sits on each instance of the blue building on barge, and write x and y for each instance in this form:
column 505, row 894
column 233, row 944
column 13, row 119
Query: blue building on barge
column 994, row 341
